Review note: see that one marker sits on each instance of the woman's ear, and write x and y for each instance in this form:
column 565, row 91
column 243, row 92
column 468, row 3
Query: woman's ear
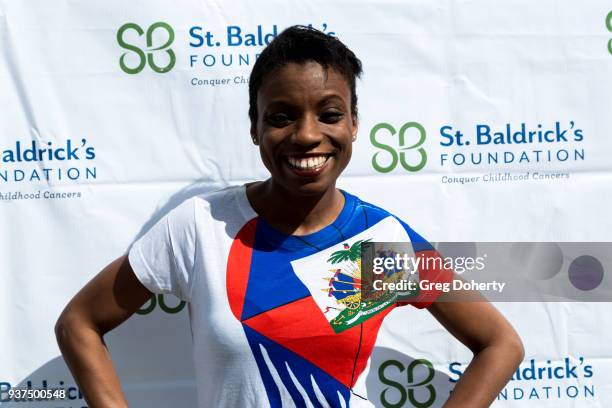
column 254, row 135
column 355, row 127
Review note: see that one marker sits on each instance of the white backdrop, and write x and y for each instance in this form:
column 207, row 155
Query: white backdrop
column 133, row 118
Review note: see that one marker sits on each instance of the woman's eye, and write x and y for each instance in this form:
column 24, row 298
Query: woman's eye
column 331, row 117
column 278, row 119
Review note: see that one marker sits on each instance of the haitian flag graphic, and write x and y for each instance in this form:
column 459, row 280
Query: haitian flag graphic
column 311, row 348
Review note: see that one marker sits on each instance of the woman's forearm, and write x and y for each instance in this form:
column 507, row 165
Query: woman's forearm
column 90, row 362
column 490, row 370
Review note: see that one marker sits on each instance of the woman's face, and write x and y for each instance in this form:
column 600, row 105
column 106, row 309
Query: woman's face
column 304, row 127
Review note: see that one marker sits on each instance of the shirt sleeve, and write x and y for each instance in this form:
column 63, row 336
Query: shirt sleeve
column 163, row 258
column 432, row 270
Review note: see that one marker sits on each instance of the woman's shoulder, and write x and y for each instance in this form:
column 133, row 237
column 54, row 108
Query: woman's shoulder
column 227, row 206
column 375, row 213
column 213, row 194
column 202, row 204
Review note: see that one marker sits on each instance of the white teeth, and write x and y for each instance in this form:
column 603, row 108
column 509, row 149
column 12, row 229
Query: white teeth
column 310, row 163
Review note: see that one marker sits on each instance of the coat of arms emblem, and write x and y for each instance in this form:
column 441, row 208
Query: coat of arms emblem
column 334, row 278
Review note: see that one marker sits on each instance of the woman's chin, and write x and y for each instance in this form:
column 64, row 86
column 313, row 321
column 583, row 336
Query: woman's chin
column 308, row 187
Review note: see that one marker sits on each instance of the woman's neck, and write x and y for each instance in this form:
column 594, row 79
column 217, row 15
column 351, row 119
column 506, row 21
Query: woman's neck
column 294, row 214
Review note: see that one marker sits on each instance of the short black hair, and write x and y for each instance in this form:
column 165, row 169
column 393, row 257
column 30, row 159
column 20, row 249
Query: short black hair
column 301, row 44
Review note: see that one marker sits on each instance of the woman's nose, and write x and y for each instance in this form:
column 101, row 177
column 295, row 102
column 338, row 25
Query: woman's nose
column 307, row 131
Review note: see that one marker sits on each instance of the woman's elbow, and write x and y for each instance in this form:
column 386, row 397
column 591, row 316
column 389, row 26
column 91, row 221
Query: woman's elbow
column 505, row 344
column 511, row 347
column 517, row 349
column 64, row 327
column 70, row 328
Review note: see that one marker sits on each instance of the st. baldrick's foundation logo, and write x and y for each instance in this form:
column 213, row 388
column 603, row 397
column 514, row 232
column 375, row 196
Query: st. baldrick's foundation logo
column 159, row 56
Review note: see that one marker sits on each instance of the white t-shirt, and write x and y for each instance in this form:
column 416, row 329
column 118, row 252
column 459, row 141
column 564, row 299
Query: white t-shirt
column 276, row 319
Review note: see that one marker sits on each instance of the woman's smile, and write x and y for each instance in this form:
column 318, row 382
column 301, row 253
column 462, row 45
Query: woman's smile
column 308, row 165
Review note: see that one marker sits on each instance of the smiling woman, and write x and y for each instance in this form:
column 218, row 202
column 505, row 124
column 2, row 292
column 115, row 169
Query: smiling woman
column 272, row 269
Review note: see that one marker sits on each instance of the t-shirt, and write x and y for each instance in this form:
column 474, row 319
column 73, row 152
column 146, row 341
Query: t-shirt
column 276, row 319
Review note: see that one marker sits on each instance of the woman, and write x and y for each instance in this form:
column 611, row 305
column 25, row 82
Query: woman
column 250, row 261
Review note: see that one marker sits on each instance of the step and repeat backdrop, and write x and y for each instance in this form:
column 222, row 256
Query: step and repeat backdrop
column 478, row 122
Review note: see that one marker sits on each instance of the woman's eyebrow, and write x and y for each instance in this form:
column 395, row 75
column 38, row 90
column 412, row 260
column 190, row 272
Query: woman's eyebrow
column 279, row 104
column 331, row 98
column 284, row 103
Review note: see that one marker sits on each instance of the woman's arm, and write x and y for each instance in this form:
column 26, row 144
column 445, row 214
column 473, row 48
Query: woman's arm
column 497, row 348
column 105, row 302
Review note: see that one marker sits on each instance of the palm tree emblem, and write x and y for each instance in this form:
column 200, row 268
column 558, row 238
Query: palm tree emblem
column 349, row 253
